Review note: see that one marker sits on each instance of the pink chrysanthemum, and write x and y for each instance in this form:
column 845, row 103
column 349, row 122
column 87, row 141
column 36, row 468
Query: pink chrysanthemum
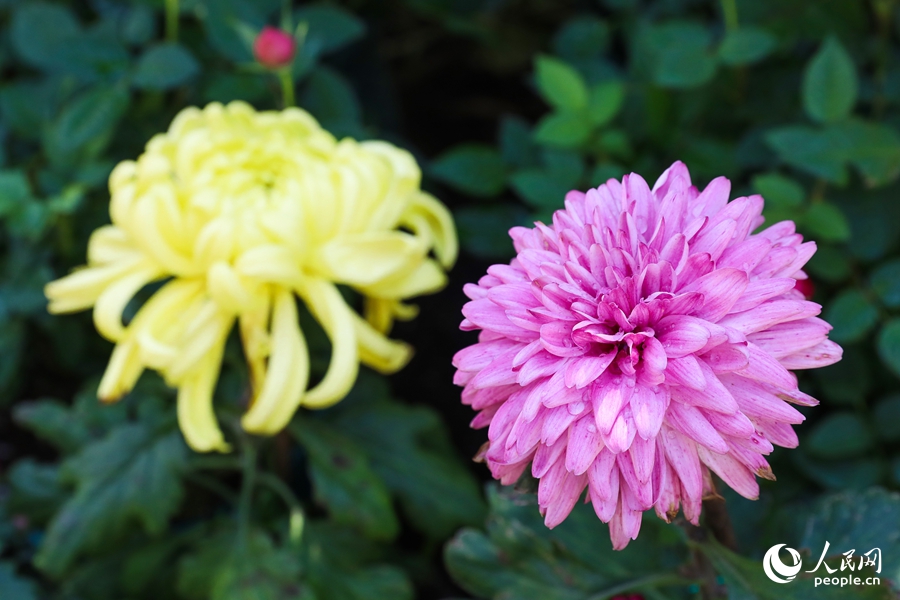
column 638, row 343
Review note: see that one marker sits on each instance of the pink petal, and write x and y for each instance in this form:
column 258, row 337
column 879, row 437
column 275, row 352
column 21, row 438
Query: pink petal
column 681, row 335
column 757, row 403
column 770, row 313
column 648, row 405
column 681, row 454
column 559, row 508
column 583, row 446
column 788, row 338
column 732, row 472
column 760, row 290
column 720, row 289
column 762, row 367
column 583, row 371
column 691, row 422
column 821, row 355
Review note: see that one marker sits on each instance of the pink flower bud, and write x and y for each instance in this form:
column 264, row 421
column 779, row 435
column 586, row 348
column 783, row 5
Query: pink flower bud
column 274, row 48
column 805, row 287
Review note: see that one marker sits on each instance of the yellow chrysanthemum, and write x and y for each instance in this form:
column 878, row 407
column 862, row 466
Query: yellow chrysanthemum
column 240, row 211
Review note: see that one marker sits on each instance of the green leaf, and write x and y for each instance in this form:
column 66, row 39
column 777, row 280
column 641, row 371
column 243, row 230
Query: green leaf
column 839, row 435
column 615, row 143
column 339, row 566
column 745, row 46
column 516, row 144
column 560, row 84
column 889, row 345
column 86, row 124
column 563, row 129
column 873, row 148
column 54, row 423
column 408, row 447
column 483, row 229
column 26, row 106
column 164, row 66
column 830, row 83
column 15, row 192
column 852, row 315
column 519, row 558
column 344, row 482
column 683, row 58
column 825, row 221
column 605, row 101
column 139, row 26
column 885, row 282
column 779, row 191
column 580, row 38
column 330, row 27
column 225, row 22
column 847, row 381
column 811, row 150
column 540, row 188
column 829, row 264
column 15, row 587
column 606, row 171
column 475, row 169
column 131, row 476
column 40, row 32
column 745, row 580
column 886, row 416
column 856, row 520
column 332, row 100
column 35, row 490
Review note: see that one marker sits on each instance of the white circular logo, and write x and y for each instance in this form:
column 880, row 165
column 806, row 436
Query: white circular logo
column 776, row 570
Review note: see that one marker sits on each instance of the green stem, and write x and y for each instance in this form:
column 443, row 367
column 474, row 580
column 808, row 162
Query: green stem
column 287, row 87
column 245, row 504
column 212, row 485
column 217, row 463
column 282, row 490
column 172, row 20
column 656, row 580
column 729, row 10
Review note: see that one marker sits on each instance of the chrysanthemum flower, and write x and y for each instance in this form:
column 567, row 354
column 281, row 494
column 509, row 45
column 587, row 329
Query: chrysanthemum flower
column 639, row 342
column 238, row 212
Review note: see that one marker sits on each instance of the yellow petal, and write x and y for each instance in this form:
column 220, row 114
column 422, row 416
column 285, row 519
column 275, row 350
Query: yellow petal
column 427, row 216
column 381, row 312
column 256, row 340
column 109, row 306
column 204, row 333
column 121, row 373
column 329, row 308
column 367, row 258
column 158, row 324
column 231, row 292
column 146, row 229
column 81, row 288
column 270, row 264
column 427, row 278
column 288, row 371
column 378, row 351
column 110, row 244
column 196, row 416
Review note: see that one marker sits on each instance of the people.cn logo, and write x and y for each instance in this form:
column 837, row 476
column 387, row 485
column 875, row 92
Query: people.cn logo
column 776, row 570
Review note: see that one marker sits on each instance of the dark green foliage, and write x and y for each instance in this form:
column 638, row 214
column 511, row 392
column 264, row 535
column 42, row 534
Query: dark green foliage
column 507, row 105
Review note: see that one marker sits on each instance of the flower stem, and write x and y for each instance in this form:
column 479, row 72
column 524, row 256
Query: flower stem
column 719, row 522
column 282, row 490
column 287, row 87
column 245, row 504
column 655, row 580
column 729, row 10
column 172, row 20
